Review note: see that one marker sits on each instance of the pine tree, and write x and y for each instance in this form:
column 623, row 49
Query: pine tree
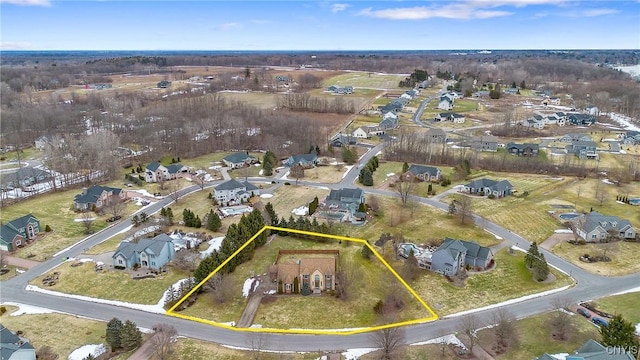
column 405, row 167
column 540, row 268
column 313, row 205
column 273, row 217
column 452, row 208
column 532, row 255
column 366, row 252
column 619, row 333
column 367, row 177
column 430, row 189
column 114, row 326
column 296, row 285
column 268, row 169
column 130, row 336
column 213, row 221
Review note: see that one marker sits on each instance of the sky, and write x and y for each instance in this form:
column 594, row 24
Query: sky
column 319, row 25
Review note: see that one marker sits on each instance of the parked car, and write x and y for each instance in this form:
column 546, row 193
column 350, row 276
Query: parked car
column 600, row 321
column 584, row 312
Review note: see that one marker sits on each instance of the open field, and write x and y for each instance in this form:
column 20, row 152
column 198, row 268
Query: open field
column 366, row 80
column 464, row 105
column 534, row 337
column 625, row 305
column 260, row 100
column 288, row 197
column 510, row 279
column 70, row 332
column 112, row 285
column 325, row 174
column 209, row 160
column 291, row 311
column 621, row 263
column 426, row 225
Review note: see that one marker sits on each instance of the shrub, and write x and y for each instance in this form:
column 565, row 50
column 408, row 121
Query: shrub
column 287, row 183
column 378, row 308
column 491, row 196
column 3, row 309
column 47, row 228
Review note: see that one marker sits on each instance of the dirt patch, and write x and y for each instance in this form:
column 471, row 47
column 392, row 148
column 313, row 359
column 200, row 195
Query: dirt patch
column 267, row 299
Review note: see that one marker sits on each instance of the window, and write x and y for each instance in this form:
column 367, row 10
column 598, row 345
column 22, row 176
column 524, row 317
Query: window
column 18, row 242
column 306, row 277
column 120, row 261
column 153, row 263
column 288, row 287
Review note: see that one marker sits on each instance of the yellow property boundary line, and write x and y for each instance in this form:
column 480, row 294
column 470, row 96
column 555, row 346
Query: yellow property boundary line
column 432, row 316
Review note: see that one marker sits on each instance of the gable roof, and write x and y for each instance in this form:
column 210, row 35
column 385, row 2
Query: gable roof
column 22, row 221
column 485, row 138
column 326, row 265
column 237, row 157
column 594, row 219
column 153, row 166
column 491, row 184
column 452, row 247
column 174, row 168
column 311, row 157
column 10, row 343
column 7, row 234
column 91, row 194
column 230, row 185
column 423, row 169
column 336, row 195
column 593, row 350
column 152, row 246
column 25, row 173
column 523, row 146
column 476, row 250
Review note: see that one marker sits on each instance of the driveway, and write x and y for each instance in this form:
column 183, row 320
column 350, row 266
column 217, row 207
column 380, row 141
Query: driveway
column 21, row 263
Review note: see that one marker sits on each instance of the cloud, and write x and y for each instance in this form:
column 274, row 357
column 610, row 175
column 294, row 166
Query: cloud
column 260, row 22
column 599, row 12
column 469, row 9
column 229, row 26
column 11, row 45
column 336, row 8
column 27, row 2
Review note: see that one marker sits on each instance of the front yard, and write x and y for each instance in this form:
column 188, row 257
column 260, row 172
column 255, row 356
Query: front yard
column 621, row 263
column 289, row 197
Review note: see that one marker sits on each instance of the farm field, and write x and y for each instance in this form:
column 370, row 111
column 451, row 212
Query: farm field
column 113, row 284
column 260, row 100
column 364, row 80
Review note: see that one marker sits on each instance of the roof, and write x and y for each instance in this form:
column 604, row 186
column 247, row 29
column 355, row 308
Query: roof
column 491, row 184
column 485, row 138
column 476, row 250
column 230, row 185
column 10, row 343
column 337, row 195
column 594, row 219
column 153, row 166
column 91, row 194
column 523, row 146
column 174, row 168
column 287, row 272
column 22, row 221
column 7, row 234
column 423, row 169
column 326, row 265
column 25, row 173
column 237, row 157
column 295, row 159
column 451, row 247
column 153, row 246
column 593, row 350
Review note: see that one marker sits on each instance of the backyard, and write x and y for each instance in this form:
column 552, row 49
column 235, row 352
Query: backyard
column 289, row 197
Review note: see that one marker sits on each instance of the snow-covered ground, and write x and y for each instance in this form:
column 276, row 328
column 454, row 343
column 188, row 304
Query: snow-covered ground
column 346, row 171
column 91, row 349
column 28, row 309
column 624, row 121
column 449, row 339
column 247, row 286
column 354, row 354
column 561, row 356
column 214, row 244
column 266, row 196
column 300, row 211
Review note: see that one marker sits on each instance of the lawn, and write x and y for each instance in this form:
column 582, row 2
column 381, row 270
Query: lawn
column 462, row 105
column 291, row 311
column 11, row 157
column 191, row 349
column 207, row 161
column 325, row 174
column 258, row 99
column 63, row 333
column 366, row 80
column 534, row 337
column 621, row 263
column 112, row 285
column 288, row 197
column 625, row 305
column 510, row 279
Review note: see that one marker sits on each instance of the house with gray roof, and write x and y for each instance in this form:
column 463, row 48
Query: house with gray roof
column 307, row 161
column 436, row 135
column 583, row 149
column 450, row 116
column 445, row 103
column 595, row 227
column 155, row 172
column 343, row 204
column 234, row 192
column 14, row 347
column 425, row 173
column 593, row 350
column 342, row 90
column 19, row 232
column 343, row 140
column 525, row 149
column 147, row 253
column 489, row 187
column 631, row 137
column 97, row 196
column 454, row 255
column 484, row 143
column 24, row 177
column 238, row 160
column 581, row 119
column 389, row 121
column 574, row 137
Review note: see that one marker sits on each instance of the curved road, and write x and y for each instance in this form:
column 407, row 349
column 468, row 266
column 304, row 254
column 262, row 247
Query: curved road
column 588, row 286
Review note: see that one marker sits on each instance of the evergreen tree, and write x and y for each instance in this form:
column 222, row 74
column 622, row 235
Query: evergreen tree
column 213, row 221
column 130, row 336
column 367, row 178
column 197, row 223
column 452, row 208
column 296, row 285
column 362, row 207
column 540, row 269
column 405, row 167
column 313, row 205
column 268, row 169
column 430, row 189
column 366, row 252
column 273, row 217
column 114, row 326
column 619, row 333
column 532, row 255
column 523, row 85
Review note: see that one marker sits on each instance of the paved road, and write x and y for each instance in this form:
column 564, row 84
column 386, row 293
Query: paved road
column 588, row 286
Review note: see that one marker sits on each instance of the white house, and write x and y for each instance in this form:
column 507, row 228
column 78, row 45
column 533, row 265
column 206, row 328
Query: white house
column 155, row 172
column 234, row 192
column 361, row 133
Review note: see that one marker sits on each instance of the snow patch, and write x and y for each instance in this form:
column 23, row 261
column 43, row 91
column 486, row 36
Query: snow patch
column 496, row 236
column 448, row 339
column 354, row 354
column 347, row 170
column 390, row 174
column 266, row 196
column 563, row 231
column 627, row 291
column 86, row 350
column 214, row 244
column 261, row 172
column 301, row 211
column 638, row 329
column 248, row 285
column 607, row 181
column 88, row 219
column 560, row 356
column 28, row 309
column 624, row 121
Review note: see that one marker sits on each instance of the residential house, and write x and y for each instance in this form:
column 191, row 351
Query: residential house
column 42, row 142
column 164, row 84
column 489, row 187
column 155, row 172
column 147, row 253
column 454, row 255
column 238, row 160
column 535, row 122
column 282, row 78
column 316, row 273
column 14, row 347
column 595, row 227
column 445, row 103
column 575, row 137
column 425, row 173
column 449, row 116
column 24, row 177
column 484, row 143
column 436, row 135
column 365, row 132
column 581, row 119
column 526, row 149
column 340, row 89
column 593, row 350
column 389, row 121
column 631, row 137
column 583, row 149
column 307, row 161
column 97, row 196
column 345, row 202
column 343, row 140
column 19, row 232
column 234, row 191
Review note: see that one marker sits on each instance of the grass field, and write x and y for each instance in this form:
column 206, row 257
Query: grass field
column 534, row 338
column 463, row 105
column 288, row 197
column 257, row 99
column 510, row 279
column 63, row 333
column 112, row 285
column 11, row 157
column 364, row 80
column 325, row 174
column 621, row 263
column 191, row 349
column 625, row 305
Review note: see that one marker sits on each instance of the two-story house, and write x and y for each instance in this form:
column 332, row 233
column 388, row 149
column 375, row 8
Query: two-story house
column 155, row 172
column 583, row 149
column 234, row 192
column 97, row 197
column 484, row 143
column 147, row 253
column 595, row 227
column 526, row 149
column 18, row 232
column 454, row 255
column 425, row 173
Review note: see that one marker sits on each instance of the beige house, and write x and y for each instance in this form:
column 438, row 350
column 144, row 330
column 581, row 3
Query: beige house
column 317, row 272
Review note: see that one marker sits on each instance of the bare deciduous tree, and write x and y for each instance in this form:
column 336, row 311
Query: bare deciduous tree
column 218, row 286
column 186, row 260
column 164, row 341
column 390, row 341
column 87, row 220
column 257, row 342
column 468, row 325
column 463, row 209
column 116, row 206
column 561, row 318
column 297, row 172
column 504, row 330
column 404, row 186
column 348, row 274
column 174, row 191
